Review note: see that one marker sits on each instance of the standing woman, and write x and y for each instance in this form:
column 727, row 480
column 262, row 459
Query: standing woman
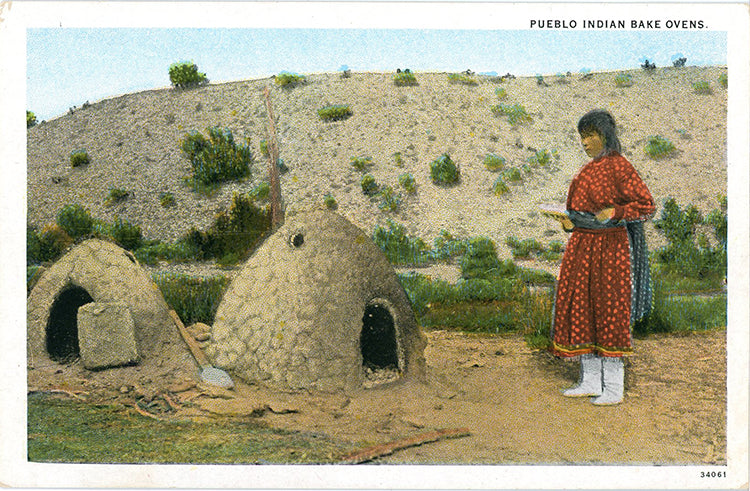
column 603, row 285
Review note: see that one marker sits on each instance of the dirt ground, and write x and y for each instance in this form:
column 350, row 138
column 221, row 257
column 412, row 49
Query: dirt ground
column 506, row 395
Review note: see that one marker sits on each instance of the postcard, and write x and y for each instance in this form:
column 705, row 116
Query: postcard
column 374, row 245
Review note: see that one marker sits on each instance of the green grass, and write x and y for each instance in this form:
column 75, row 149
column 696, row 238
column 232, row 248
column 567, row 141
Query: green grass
column 63, row 430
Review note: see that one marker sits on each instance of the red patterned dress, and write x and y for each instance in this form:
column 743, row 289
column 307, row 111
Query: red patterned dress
column 592, row 305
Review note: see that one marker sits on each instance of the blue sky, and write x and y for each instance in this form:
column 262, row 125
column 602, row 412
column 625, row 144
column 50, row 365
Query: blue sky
column 68, row 66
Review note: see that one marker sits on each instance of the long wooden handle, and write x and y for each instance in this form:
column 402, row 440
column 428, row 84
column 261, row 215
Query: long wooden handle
column 371, row 453
column 194, row 348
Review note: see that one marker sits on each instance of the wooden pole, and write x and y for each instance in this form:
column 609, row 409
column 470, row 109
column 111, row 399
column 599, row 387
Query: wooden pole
column 273, row 169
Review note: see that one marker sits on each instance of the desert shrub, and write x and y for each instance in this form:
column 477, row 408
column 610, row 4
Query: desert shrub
column 30, row 119
column 289, row 80
column 659, row 147
column 499, row 187
column 389, row 199
column 648, row 66
column 185, row 74
column 368, row 184
column 623, row 80
column 501, row 93
column 493, row 162
column 524, row 248
column 561, row 79
column 443, row 171
column 405, row 78
column 407, row 182
column 116, row 195
column 79, row 158
column 724, row 80
column 194, row 298
column 334, row 113
column 361, row 163
column 218, row 158
column 264, row 148
column 260, row 192
column 150, row 252
column 543, row 157
column 462, row 78
column 687, row 254
column 680, row 313
column 679, row 62
column 237, row 230
column 330, row 202
column 75, row 220
column 516, row 113
column 126, row 235
column 511, row 175
column 167, row 200
column 398, row 247
column 702, row 87
column 48, row 245
column 480, row 260
column 398, row 159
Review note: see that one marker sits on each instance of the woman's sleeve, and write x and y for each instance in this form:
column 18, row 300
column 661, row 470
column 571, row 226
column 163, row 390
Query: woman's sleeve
column 633, row 201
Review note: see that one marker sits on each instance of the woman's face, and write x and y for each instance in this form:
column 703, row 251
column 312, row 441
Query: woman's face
column 593, row 143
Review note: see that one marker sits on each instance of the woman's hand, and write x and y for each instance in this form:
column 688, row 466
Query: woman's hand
column 605, row 214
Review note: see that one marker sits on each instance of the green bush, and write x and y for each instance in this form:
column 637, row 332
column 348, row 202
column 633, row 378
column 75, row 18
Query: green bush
column 289, row 80
column 724, row 80
column 405, row 78
column 334, row 113
column 501, row 93
column 152, row 252
column 499, row 187
column 30, row 119
column 194, row 298
column 126, row 235
column 398, row 159
column 398, row 247
column 75, row 220
column 511, row 175
column 238, row 230
column 218, row 158
column 361, row 163
column 116, row 195
column 623, row 80
column 493, row 162
column 368, row 184
column 185, row 74
column 687, row 254
column 702, row 87
column 33, row 273
column 543, row 157
column 330, row 202
column 516, row 113
column 264, row 148
column 389, row 199
column 407, row 182
column 46, row 246
column 659, row 147
column 260, row 192
column 167, row 200
column 480, row 260
column 462, row 78
column 79, row 158
column 443, row 171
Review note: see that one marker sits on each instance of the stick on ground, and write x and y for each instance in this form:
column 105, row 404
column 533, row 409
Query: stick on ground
column 371, row 453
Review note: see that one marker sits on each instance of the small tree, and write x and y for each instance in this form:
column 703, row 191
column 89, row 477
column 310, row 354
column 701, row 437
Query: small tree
column 185, row 74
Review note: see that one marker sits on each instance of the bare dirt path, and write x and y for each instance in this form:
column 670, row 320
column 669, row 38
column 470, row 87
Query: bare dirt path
column 507, row 395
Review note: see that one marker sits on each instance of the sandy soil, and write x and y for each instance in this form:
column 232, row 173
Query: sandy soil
column 506, row 395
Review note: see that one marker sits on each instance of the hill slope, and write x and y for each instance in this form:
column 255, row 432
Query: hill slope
column 133, row 143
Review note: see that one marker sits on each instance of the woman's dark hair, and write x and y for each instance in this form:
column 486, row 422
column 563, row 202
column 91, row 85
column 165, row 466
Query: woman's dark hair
column 602, row 122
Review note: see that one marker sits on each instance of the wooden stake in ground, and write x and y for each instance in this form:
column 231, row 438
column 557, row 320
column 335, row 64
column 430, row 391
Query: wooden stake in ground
column 273, row 168
column 388, row 448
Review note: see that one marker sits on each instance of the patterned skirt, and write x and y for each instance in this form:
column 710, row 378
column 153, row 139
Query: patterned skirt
column 593, row 298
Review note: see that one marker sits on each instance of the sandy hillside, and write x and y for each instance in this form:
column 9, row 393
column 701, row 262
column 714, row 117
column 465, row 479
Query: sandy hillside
column 133, row 143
